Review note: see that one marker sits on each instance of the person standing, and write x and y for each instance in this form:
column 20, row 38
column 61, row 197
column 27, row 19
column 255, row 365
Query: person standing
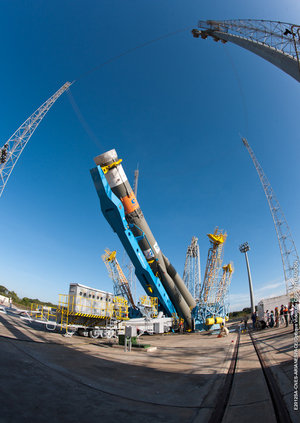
column 276, row 317
column 267, row 318
column 291, row 312
column 271, row 324
column 253, row 317
column 245, row 322
column 286, row 315
column 281, row 314
column 292, row 315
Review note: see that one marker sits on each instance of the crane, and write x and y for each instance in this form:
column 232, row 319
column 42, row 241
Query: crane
column 276, row 42
column 289, row 254
column 13, row 148
column 121, row 286
column 192, row 272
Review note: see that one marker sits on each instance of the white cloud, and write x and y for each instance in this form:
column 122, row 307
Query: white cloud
column 270, row 289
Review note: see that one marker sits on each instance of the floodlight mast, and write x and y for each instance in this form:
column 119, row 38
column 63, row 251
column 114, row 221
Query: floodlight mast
column 276, row 42
column 244, row 248
column 13, row 148
column 289, row 254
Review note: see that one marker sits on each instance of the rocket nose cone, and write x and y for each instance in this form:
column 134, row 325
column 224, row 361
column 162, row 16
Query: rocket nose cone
column 106, row 158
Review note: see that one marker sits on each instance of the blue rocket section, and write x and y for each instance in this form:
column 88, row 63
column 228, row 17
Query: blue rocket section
column 113, row 211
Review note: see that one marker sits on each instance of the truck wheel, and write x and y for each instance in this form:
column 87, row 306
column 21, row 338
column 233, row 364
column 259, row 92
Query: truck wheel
column 94, row 333
column 82, row 332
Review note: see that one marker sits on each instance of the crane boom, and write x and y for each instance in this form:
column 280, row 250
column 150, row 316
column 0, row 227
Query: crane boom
column 121, row 286
column 276, row 42
column 12, row 149
column 289, row 255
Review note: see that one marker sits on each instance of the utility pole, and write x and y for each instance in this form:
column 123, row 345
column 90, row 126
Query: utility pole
column 243, row 249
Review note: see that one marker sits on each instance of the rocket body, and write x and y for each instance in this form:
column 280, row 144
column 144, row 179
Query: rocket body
column 160, row 265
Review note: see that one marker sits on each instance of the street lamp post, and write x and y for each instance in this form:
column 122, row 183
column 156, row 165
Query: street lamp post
column 243, row 249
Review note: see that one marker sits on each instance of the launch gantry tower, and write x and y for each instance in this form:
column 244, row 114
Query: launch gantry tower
column 224, row 283
column 213, row 266
column 192, row 272
column 13, row 148
column 276, row 42
column 213, row 302
column 289, row 254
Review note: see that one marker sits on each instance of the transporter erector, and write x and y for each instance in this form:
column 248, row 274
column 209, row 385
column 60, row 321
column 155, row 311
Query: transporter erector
column 122, row 211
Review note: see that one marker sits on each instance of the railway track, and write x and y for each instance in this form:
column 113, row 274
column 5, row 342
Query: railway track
column 272, row 407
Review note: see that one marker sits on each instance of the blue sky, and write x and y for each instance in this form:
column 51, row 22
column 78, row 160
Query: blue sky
column 176, row 107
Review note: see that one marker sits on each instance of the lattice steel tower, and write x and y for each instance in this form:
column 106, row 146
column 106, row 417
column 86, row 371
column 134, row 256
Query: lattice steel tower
column 12, row 149
column 121, row 286
column 277, row 42
column 192, row 271
column 288, row 250
column 213, row 266
column 224, row 283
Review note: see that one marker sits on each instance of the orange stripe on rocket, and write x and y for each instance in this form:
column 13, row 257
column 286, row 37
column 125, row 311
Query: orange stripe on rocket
column 130, row 203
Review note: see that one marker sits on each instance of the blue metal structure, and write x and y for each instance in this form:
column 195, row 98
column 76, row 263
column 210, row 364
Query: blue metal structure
column 206, row 311
column 213, row 302
column 114, row 213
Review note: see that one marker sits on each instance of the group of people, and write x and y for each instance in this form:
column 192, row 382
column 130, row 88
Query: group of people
column 284, row 315
column 275, row 318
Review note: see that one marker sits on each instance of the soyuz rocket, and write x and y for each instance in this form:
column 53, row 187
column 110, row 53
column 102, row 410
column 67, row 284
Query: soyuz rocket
column 160, row 265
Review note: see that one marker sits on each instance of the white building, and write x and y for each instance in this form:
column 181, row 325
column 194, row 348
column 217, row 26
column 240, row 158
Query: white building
column 5, row 301
column 86, row 300
column 270, row 304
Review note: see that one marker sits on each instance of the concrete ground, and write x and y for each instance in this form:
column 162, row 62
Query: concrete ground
column 48, row 377
column 281, row 356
